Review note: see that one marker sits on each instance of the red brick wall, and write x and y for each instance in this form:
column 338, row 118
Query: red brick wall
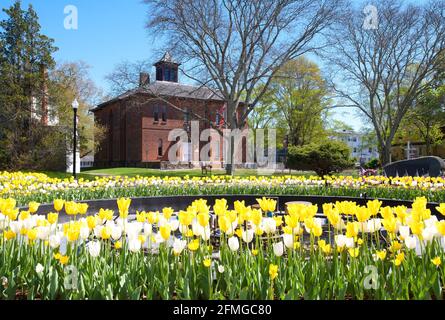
column 133, row 135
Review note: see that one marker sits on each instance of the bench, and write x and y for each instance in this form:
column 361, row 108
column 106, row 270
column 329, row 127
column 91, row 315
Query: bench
column 206, row 168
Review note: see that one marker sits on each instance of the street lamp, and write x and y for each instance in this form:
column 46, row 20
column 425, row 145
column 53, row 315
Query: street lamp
column 75, row 106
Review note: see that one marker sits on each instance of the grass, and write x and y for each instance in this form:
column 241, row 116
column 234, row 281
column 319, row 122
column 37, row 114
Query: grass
column 132, row 172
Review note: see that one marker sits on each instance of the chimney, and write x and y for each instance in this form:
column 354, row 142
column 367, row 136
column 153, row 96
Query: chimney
column 144, row 79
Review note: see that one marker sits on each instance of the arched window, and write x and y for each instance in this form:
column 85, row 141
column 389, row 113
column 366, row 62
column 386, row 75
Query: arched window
column 160, row 151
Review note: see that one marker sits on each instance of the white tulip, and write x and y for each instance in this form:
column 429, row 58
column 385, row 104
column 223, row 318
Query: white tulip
column 16, row 226
column 288, row 240
column 148, row 229
column 404, row 231
column 221, row 269
column 134, row 245
column 39, row 268
column 429, row 233
column 2, row 222
column 233, row 243
column 373, row 225
column 54, row 241
column 278, row 249
column 197, row 228
column 116, row 232
column 431, row 222
column 43, row 233
column 205, row 233
column 349, row 242
column 179, row 246
column 98, row 231
column 94, row 248
column 269, row 225
column 84, row 233
column 411, row 242
column 174, row 224
column 247, row 236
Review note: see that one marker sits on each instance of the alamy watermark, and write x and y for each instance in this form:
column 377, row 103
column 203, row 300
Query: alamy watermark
column 247, row 147
column 371, row 21
column 71, row 21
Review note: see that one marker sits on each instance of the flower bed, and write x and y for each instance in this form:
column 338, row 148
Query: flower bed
column 25, row 187
column 364, row 252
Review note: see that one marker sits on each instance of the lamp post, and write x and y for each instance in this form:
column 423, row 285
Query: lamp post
column 75, row 106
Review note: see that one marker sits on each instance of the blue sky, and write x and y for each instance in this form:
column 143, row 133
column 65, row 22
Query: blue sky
column 109, row 31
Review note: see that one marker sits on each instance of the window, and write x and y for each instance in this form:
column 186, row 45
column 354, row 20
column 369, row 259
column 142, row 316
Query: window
column 156, row 113
column 186, row 115
column 218, row 119
column 164, row 113
column 160, row 151
column 370, row 150
column 167, row 74
column 355, row 150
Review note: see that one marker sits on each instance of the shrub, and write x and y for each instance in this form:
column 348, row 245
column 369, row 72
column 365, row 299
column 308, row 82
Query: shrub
column 324, row 158
column 373, row 164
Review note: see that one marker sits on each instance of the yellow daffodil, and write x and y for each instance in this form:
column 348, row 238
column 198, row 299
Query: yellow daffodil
column 273, row 271
column 193, row 245
column 381, row 254
column 207, row 263
column 436, row 261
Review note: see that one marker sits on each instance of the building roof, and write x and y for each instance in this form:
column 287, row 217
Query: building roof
column 168, row 89
column 167, row 58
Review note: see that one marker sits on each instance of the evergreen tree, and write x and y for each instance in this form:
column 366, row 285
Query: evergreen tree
column 25, row 56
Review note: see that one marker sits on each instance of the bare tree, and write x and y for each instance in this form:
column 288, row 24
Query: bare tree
column 234, row 46
column 125, row 76
column 383, row 68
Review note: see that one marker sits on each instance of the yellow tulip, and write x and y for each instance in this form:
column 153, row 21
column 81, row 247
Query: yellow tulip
column 9, row 235
column 123, row 204
column 352, row 229
column 117, row 245
column 72, row 234
column 58, row 204
column 105, row 233
column 441, row 227
column 354, row 252
column 167, row 212
column 71, row 208
column 165, row 231
column 441, row 209
column 83, row 208
column 52, row 218
column 33, row 206
column 24, row 215
column 32, row 234
column 203, row 219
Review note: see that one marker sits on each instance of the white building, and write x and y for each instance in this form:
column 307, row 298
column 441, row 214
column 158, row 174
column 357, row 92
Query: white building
column 360, row 149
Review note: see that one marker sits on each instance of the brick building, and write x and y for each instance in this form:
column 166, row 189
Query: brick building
column 140, row 120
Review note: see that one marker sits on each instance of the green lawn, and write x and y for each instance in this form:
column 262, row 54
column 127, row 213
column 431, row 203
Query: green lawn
column 131, row 172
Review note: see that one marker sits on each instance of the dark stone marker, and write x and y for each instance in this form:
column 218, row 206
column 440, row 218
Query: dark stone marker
column 425, row 166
